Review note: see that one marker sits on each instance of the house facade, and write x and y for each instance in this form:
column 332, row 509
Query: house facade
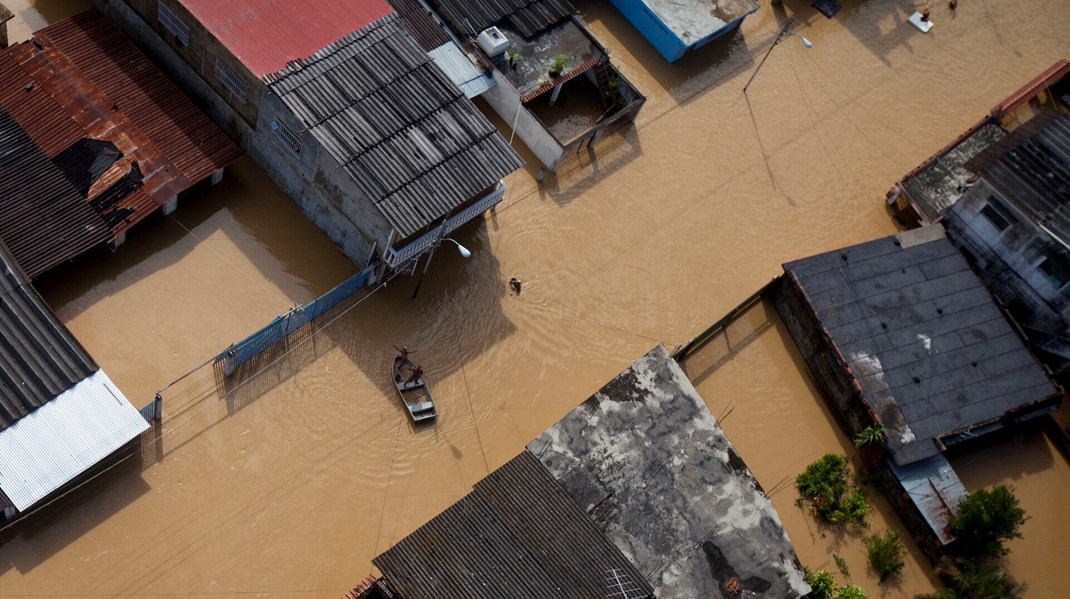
column 677, row 27
column 384, row 165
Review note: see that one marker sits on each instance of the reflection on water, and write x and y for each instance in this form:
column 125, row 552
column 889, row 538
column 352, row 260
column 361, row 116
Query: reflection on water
column 296, row 491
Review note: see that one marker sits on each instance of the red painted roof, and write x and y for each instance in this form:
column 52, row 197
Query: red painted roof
column 266, row 34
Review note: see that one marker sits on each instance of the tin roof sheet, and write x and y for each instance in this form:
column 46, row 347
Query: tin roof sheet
column 420, row 24
column 266, row 35
column 649, row 463
column 82, row 79
column 43, row 218
column 64, row 437
column 935, row 490
column 39, row 358
column 517, row 535
column 469, row 17
column 933, row 354
column 408, row 137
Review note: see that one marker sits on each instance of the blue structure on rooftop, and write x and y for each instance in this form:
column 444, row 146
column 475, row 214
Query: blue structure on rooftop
column 676, row 27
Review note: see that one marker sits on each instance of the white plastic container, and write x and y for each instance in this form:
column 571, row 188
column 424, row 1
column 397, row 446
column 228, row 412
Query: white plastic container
column 493, row 41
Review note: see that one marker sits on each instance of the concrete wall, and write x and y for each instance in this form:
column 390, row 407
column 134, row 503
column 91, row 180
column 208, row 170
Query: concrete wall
column 324, row 192
column 828, row 370
column 505, row 100
column 1007, row 261
column 201, row 53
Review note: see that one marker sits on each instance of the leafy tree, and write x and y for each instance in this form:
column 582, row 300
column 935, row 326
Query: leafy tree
column 886, row 554
column 822, row 583
column 969, row 578
column 985, row 520
column 827, row 486
column 850, row 591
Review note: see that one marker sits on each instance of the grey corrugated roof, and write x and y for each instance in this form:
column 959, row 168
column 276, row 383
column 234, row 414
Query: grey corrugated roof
column 517, row 535
column 922, row 335
column 409, row 138
column 1034, row 175
column 39, row 358
column 648, row 461
column 420, row 24
column 935, row 490
column 43, row 218
column 526, row 16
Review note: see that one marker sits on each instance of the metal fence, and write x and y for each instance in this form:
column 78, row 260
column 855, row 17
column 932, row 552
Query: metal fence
column 283, row 326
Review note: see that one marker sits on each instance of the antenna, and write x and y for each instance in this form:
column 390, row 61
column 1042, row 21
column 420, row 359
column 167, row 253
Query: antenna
column 620, row 586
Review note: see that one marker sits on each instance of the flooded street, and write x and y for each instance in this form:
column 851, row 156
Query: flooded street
column 290, row 490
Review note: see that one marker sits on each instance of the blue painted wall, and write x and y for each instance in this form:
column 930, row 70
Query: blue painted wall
column 657, row 33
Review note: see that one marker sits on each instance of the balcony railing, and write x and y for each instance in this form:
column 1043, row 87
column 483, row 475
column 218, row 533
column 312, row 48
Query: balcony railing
column 395, row 258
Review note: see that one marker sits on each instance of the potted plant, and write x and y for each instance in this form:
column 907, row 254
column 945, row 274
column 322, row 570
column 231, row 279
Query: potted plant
column 514, row 58
column 870, row 444
column 558, row 65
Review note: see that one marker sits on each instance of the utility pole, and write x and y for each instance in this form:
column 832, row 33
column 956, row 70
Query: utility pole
column 790, row 22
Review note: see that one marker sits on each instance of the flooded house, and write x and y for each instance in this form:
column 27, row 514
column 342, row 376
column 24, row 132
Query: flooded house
column 1012, row 225
column 553, row 82
column 676, row 27
column 925, row 193
column 60, row 414
column 95, row 140
column 636, row 493
column 344, row 111
column 900, row 332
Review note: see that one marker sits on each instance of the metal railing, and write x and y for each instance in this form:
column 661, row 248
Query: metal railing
column 395, row 258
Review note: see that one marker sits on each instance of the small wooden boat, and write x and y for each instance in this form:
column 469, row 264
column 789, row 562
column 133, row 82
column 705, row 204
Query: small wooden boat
column 415, row 393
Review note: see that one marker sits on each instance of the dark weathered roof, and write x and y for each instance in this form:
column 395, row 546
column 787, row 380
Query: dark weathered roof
column 933, row 354
column 420, row 24
column 469, row 17
column 80, row 85
column 409, row 138
column 39, row 358
column 1034, row 175
column 43, row 219
column 648, row 461
column 517, row 535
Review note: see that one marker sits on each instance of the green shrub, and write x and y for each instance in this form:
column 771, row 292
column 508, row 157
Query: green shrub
column 985, row 520
column 886, row 554
column 850, row 591
column 827, row 486
column 871, row 435
column 822, row 583
column 559, row 63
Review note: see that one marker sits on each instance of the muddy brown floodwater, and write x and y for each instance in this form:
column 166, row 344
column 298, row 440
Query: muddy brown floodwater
column 293, row 489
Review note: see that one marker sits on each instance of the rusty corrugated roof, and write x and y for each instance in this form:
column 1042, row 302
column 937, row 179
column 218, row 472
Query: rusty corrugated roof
column 82, row 79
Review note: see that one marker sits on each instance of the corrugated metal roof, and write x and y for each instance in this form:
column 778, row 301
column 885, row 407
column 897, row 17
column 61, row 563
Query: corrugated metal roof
column 64, row 437
column 1034, row 174
column 935, row 490
column 517, row 535
column 82, row 78
column 43, row 218
column 39, row 358
column 658, row 475
column 456, row 65
column 469, row 17
column 265, row 35
column 409, row 138
column 420, row 24
column 931, row 351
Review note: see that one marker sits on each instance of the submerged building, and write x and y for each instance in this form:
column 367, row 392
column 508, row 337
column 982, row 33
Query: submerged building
column 900, row 332
column 676, row 27
column 635, row 494
column 60, row 414
column 1013, row 226
column 93, row 140
column 553, row 82
column 342, row 108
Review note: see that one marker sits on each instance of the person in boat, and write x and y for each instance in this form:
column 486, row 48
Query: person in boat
column 417, row 373
column 403, row 354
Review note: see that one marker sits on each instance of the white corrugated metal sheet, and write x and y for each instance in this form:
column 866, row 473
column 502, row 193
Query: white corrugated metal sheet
column 64, row 437
column 460, row 70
